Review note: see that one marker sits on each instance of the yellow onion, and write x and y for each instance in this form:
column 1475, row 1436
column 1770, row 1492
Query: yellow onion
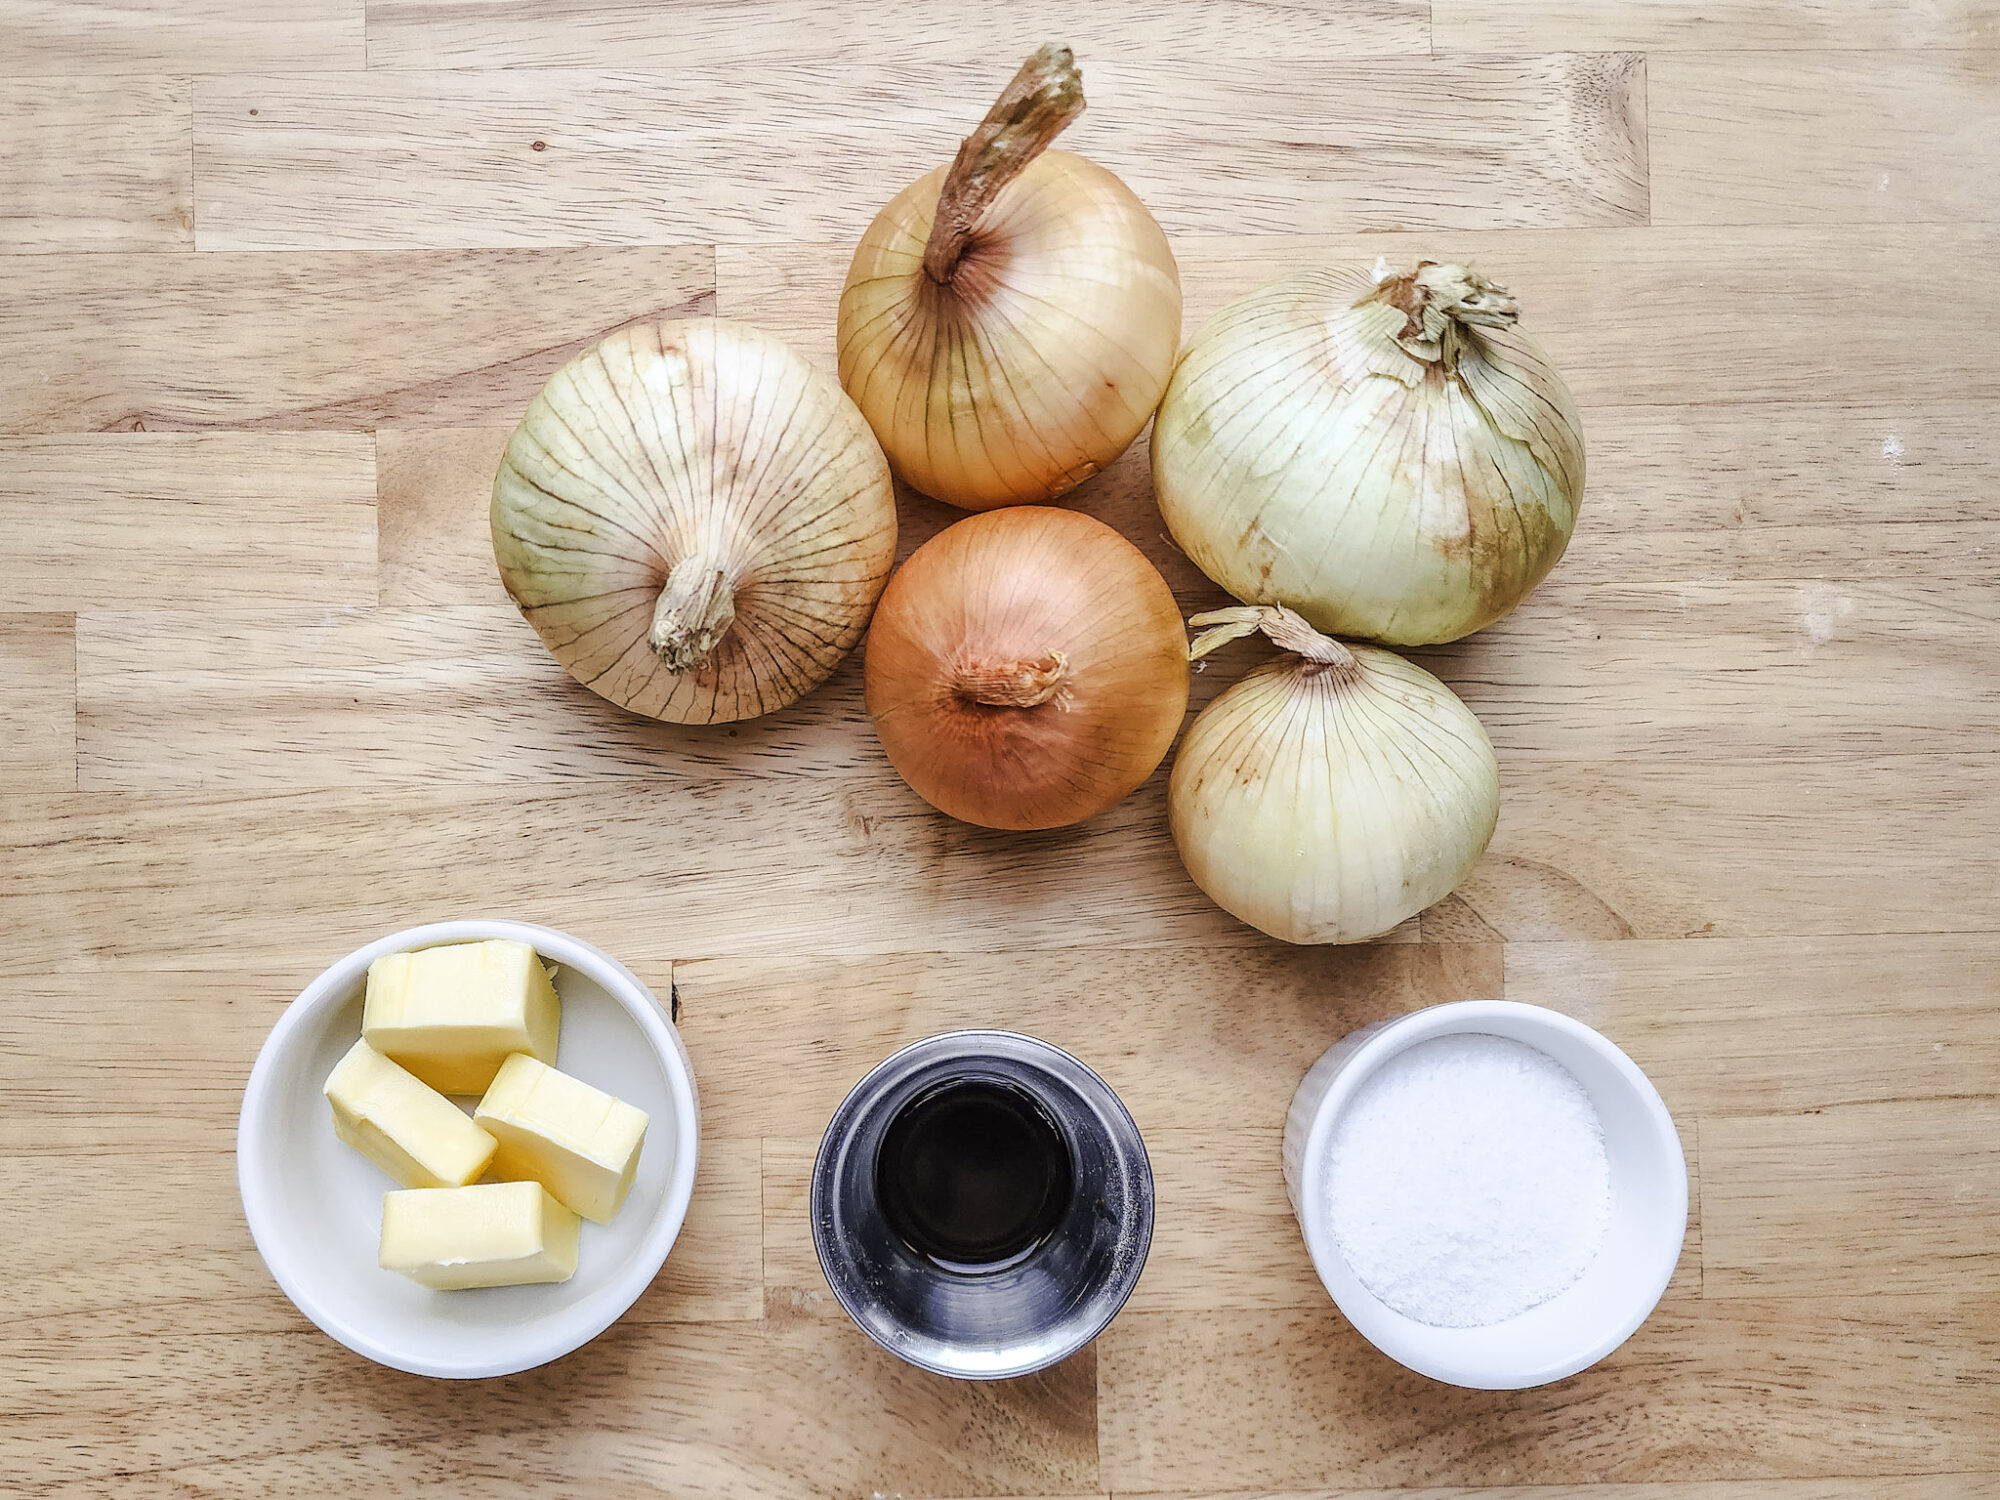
column 1333, row 792
column 1009, row 324
column 695, row 520
column 1027, row 668
column 1392, row 458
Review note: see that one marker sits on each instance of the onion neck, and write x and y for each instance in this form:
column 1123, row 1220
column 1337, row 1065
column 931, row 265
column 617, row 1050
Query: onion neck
column 1013, row 684
column 1031, row 112
column 1284, row 628
column 1439, row 303
column 695, row 612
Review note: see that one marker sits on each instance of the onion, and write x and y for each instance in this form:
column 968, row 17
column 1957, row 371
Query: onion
column 1009, row 325
column 1026, row 669
column 695, row 520
column 1391, row 459
column 1331, row 793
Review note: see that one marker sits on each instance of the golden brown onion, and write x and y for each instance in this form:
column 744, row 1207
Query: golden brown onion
column 1026, row 669
column 1009, row 323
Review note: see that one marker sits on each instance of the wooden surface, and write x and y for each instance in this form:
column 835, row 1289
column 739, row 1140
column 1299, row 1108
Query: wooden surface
column 279, row 276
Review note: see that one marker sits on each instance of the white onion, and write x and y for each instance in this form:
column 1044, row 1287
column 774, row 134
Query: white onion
column 1394, row 460
column 1333, row 792
column 695, row 520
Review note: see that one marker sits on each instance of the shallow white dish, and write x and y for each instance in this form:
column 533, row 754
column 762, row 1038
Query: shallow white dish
column 1649, row 1202
column 315, row 1205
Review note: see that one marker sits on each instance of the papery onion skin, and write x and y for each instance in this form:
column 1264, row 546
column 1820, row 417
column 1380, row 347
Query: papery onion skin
column 1039, row 361
column 1309, row 454
column 695, row 520
column 1327, row 803
column 1070, row 634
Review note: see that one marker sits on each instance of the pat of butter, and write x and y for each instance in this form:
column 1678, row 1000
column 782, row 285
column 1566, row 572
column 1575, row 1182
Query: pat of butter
column 452, row 1015
column 492, row 1234
column 403, row 1125
column 576, row 1141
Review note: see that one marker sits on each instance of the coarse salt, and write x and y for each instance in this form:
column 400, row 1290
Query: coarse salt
column 1467, row 1181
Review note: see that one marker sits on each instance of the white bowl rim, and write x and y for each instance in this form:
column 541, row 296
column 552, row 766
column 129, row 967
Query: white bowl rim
column 1381, row 1325
column 565, row 1335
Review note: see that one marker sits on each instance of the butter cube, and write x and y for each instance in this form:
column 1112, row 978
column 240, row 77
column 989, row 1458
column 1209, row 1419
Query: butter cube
column 576, row 1141
column 403, row 1125
column 452, row 1015
column 492, row 1234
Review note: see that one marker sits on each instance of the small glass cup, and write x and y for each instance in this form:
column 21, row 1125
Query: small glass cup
column 1032, row 1308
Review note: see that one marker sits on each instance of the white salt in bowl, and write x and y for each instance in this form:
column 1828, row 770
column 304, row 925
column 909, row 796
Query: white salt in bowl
column 1649, row 1202
column 314, row 1204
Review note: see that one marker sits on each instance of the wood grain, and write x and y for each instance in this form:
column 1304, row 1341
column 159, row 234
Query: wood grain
column 95, row 164
column 1192, row 1038
column 177, row 1215
column 1887, row 489
column 1733, row 1389
column 1884, row 1487
column 298, row 342
column 701, row 33
column 434, row 488
column 180, row 1085
column 1775, row 1025
column 370, row 697
column 37, row 702
column 352, row 697
column 64, row 38
column 565, row 158
column 318, row 872
column 1848, row 137
column 120, row 520
column 1901, row 1197
column 735, row 1409
column 1666, row 26
column 1842, row 669
column 794, row 1285
column 745, row 866
column 1737, row 848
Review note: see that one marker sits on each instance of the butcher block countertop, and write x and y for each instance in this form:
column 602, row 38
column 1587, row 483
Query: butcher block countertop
column 279, row 276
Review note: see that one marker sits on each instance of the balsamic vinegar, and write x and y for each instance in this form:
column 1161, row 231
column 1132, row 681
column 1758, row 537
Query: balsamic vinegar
column 973, row 1174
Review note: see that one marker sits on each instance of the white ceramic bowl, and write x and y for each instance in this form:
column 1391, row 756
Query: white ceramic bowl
column 315, row 1205
column 1649, row 1202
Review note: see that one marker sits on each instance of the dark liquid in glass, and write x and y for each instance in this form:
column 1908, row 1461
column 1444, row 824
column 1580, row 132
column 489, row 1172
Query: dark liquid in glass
column 973, row 1174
